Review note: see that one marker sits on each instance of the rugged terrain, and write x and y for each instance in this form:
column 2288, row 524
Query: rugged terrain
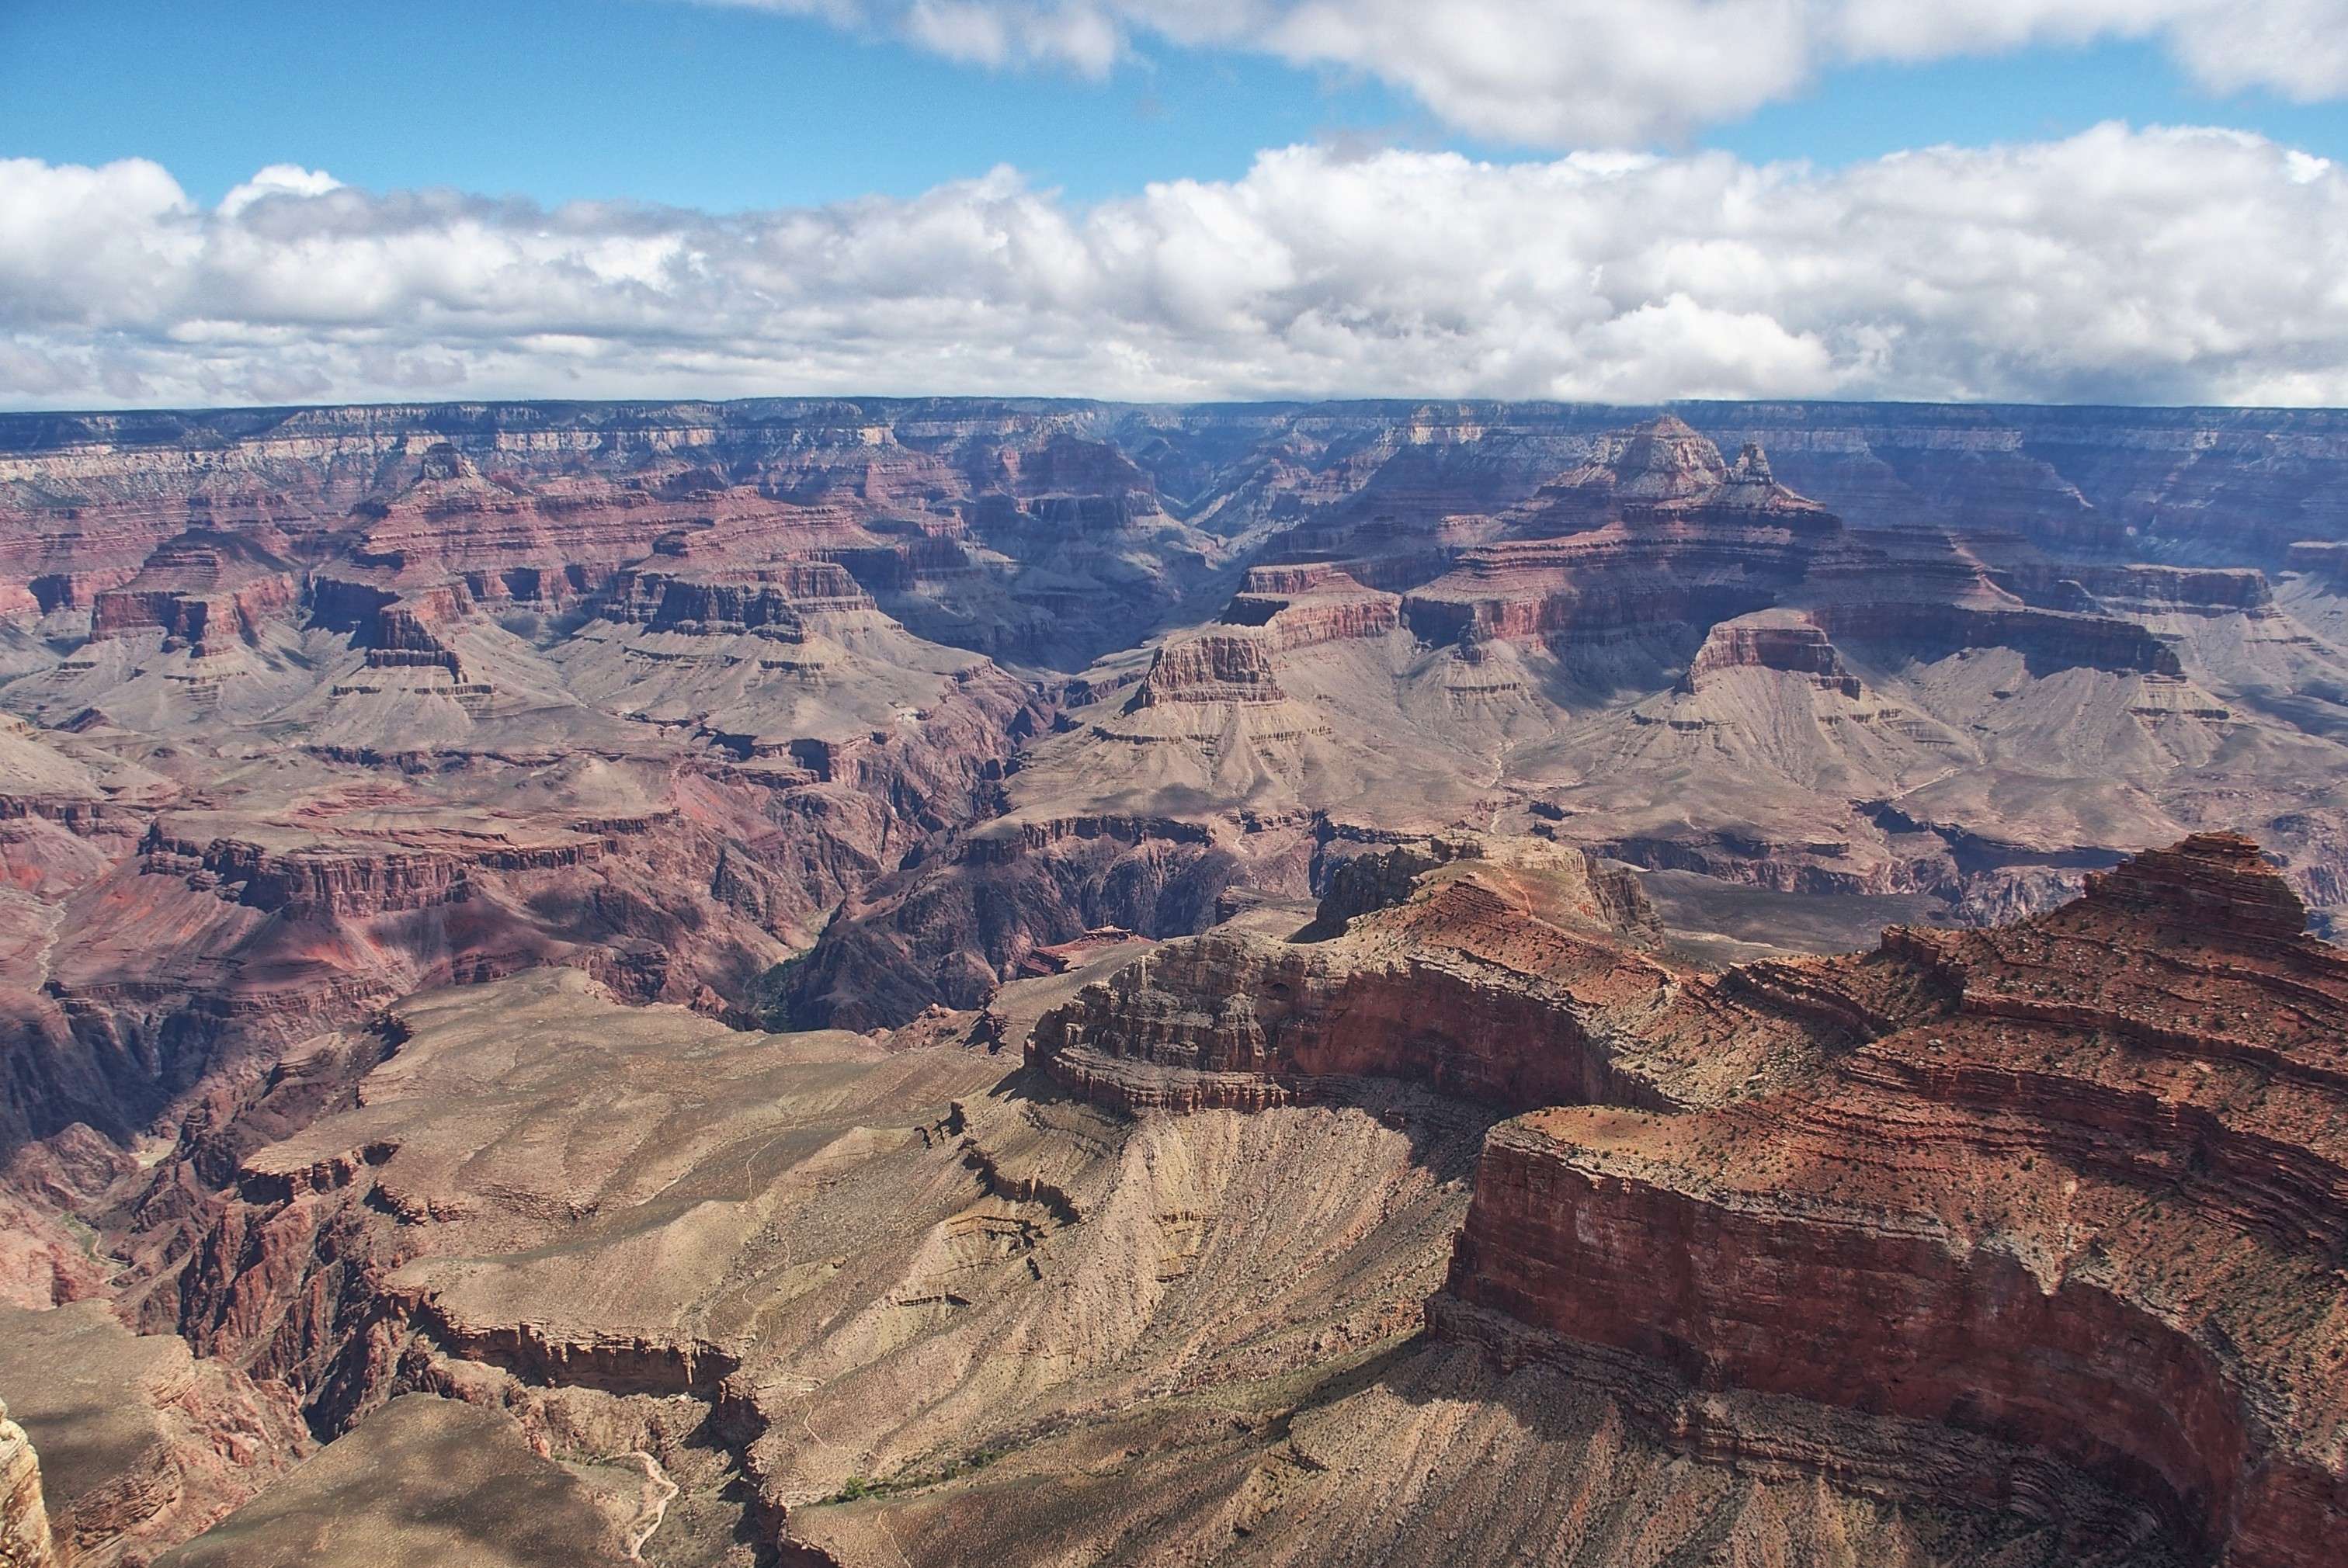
column 1178, row 838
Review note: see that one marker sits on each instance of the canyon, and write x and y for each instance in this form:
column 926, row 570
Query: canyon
column 878, row 981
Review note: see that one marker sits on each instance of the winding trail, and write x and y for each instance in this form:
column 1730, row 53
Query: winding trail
column 659, row 1493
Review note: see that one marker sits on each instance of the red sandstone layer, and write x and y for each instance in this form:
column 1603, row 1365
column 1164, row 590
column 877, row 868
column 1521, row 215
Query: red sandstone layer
column 2092, row 1202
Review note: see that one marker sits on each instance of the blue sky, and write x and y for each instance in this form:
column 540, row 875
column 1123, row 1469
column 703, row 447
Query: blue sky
column 726, row 109
column 2056, row 200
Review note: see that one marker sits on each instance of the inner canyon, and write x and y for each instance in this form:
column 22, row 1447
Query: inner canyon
column 851, row 983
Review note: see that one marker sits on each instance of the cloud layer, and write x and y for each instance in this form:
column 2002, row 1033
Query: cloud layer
column 1617, row 73
column 2155, row 266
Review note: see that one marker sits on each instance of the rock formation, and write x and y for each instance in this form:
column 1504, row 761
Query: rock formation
column 25, row 1539
column 1462, row 965
column 1214, row 821
column 142, row 1444
column 886, row 1291
column 2076, row 1192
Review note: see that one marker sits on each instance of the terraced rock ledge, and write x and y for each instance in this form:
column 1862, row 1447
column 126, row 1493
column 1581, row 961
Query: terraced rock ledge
column 2083, row 1191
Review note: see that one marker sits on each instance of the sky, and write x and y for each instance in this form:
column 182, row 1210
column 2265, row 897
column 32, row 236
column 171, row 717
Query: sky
column 261, row 202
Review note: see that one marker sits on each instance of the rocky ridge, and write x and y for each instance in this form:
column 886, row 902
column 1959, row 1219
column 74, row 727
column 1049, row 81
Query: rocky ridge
column 2087, row 1163
column 2085, row 1157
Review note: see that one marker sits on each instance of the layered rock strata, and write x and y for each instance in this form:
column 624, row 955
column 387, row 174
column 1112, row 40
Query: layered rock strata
column 1498, row 971
column 326, row 706
column 2079, row 1192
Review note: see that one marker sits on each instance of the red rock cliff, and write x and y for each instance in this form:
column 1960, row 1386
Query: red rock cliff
column 2093, row 1203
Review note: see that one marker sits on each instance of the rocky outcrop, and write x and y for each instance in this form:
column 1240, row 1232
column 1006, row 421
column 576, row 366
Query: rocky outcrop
column 141, row 1444
column 1221, row 667
column 1664, row 469
column 1470, row 966
column 1773, row 640
column 24, row 1539
column 2090, row 1180
column 200, row 589
column 1302, row 606
column 769, row 601
column 2213, row 882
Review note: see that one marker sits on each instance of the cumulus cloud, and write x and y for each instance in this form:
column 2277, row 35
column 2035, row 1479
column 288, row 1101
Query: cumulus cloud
column 1585, row 73
column 2148, row 266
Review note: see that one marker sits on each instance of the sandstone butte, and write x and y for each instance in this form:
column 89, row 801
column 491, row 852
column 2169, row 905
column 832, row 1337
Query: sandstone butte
column 1307, row 935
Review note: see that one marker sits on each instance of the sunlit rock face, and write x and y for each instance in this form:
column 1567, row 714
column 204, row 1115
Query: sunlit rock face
column 2077, row 1190
column 25, row 1538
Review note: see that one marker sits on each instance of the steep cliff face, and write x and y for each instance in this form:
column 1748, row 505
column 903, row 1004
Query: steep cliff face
column 1655, row 536
column 2097, row 1186
column 1302, row 606
column 1219, row 667
column 200, row 587
column 24, row 1539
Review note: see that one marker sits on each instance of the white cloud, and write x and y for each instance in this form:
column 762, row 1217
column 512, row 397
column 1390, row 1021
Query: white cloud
column 2156, row 266
column 1582, row 73
column 278, row 179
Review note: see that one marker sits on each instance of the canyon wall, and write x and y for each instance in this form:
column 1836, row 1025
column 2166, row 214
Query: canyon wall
column 2085, row 1208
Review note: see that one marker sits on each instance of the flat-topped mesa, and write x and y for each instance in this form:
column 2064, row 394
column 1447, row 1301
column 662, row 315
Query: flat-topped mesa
column 2131, row 587
column 771, row 599
column 1301, row 606
column 2325, row 558
column 1772, row 639
column 1218, row 667
column 2209, row 882
column 399, row 628
column 2085, row 1190
column 1285, row 582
